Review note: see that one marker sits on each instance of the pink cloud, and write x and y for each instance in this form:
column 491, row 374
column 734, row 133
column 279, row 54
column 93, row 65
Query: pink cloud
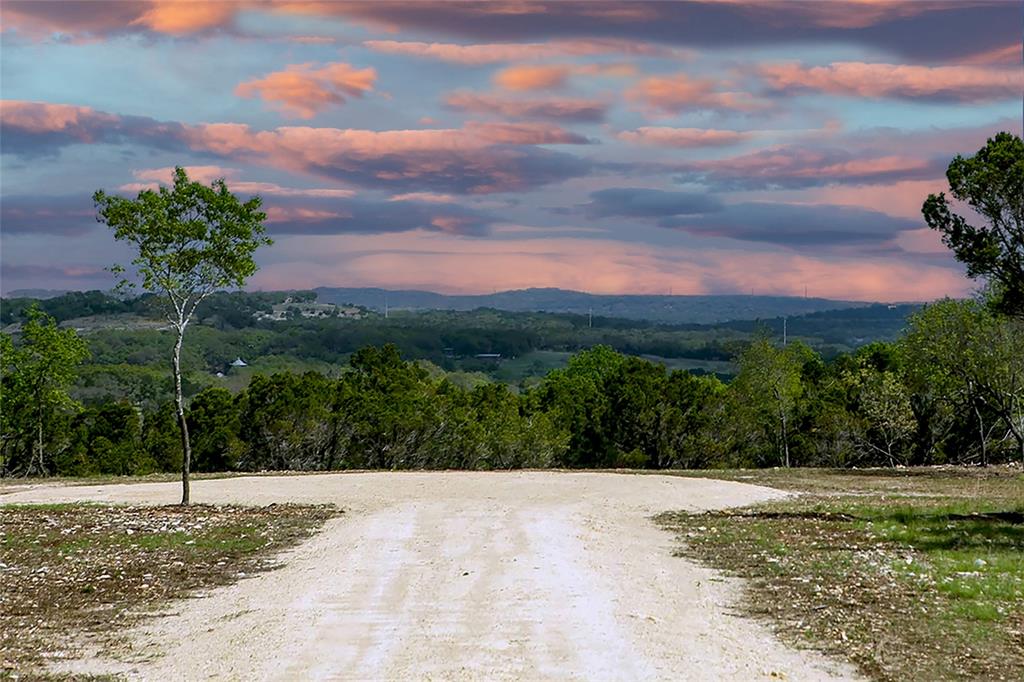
column 790, row 166
column 683, row 137
column 851, row 14
column 903, row 199
column 81, row 123
column 299, row 214
column 151, row 178
column 426, row 197
column 443, row 262
column 524, row 133
column 679, row 92
column 491, row 53
column 303, row 91
column 575, row 109
column 480, row 158
column 1000, row 56
column 165, row 175
column 859, row 79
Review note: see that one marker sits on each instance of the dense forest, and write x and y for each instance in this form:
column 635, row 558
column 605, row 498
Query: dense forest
column 950, row 389
column 129, row 346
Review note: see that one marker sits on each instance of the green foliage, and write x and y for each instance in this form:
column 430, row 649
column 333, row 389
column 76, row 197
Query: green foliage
column 991, row 183
column 66, row 306
column 968, row 365
column 768, row 388
column 35, row 378
column 884, row 400
column 189, row 240
column 213, row 417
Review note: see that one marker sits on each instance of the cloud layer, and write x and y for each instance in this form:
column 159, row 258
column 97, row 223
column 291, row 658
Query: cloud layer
column 703, row 145
column 302, row 90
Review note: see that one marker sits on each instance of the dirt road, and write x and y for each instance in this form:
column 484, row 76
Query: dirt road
column 464, row 576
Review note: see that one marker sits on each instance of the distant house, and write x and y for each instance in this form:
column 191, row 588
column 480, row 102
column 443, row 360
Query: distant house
column 488, row 356
column 239, row 362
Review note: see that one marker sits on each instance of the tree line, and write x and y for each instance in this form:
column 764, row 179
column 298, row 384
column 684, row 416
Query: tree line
column 950, row 390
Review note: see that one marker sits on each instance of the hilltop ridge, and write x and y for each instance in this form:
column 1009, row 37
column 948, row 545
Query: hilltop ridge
column 697, row 309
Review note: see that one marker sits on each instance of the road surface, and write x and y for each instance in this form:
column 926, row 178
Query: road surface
column 464, row 576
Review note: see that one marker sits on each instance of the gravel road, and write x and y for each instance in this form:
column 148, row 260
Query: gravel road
column 464, row 576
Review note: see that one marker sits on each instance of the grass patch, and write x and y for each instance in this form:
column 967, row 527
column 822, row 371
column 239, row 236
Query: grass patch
column 909, row 574
column 74, row 575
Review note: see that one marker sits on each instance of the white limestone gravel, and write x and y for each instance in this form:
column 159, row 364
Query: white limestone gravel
column 463, row 576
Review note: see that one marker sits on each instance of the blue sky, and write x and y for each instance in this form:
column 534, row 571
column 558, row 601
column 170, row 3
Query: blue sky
column 698, row 147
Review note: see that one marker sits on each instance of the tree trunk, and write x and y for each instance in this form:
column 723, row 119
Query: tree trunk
column 982, row 436
column 39, row 445
column 785, row 437
column 179, row 404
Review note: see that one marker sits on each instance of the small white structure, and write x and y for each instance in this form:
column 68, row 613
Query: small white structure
column 239, row 362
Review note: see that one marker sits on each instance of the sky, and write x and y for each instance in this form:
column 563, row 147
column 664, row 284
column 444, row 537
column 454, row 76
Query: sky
column 712, row 147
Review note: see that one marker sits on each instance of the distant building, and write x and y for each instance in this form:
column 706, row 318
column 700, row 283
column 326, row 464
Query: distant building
column 488, row 356
column 239, row 362
column 291, row 309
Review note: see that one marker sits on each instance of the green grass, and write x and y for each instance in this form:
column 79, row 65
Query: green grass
column 909, row 574
column 66, row 563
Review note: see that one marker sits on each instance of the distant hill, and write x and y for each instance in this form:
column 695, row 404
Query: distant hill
column 41, row 294
column 669, row 309
column 849, row 327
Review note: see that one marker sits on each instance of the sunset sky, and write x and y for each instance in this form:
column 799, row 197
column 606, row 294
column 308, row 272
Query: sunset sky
column 722, row 146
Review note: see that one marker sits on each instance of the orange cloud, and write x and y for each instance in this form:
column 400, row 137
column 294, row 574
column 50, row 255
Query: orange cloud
column 438, row 261
column 860, row 79
column 91, row 20
column 532, row 77
column 679, row 92
column 683, row 137
column 303, row 91
column 181, row 18
column 553, row 77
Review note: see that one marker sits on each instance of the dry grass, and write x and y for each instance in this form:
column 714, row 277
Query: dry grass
column 909, row 574
column 74, row 575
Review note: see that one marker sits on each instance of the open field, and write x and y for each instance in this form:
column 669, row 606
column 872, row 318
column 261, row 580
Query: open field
column 460, row 575
column 910, row 574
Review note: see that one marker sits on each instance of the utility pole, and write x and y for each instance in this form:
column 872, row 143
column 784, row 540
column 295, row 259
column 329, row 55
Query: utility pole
column 785, row 331
column 385, row 306
column 590, row 318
